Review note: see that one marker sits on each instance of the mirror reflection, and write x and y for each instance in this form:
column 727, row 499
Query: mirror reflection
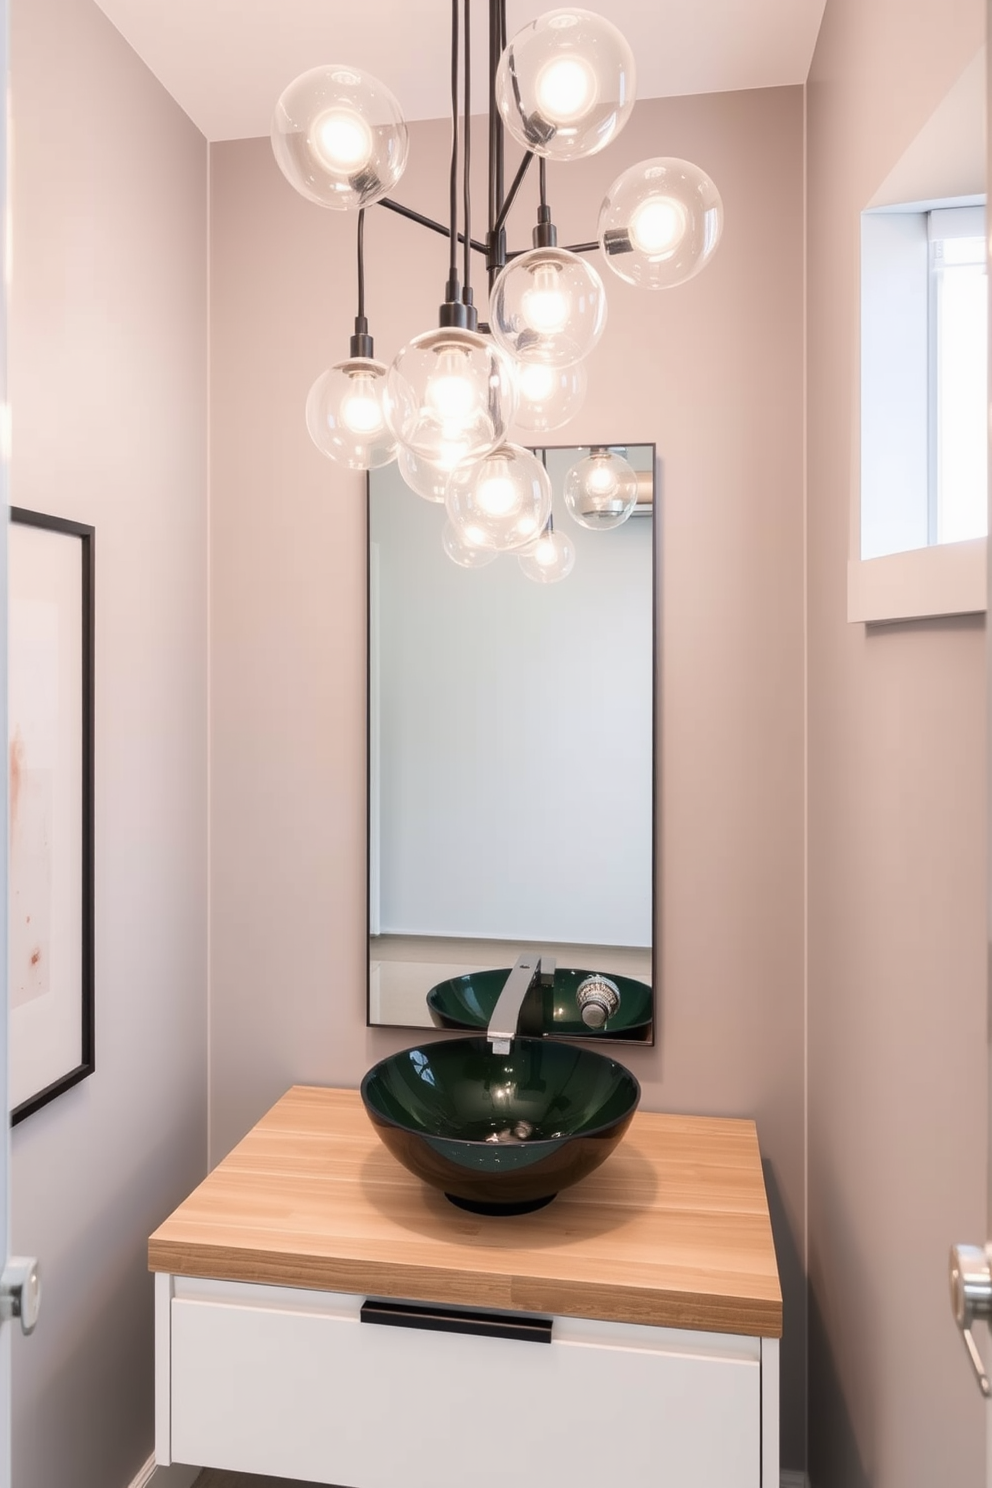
column 511, row 759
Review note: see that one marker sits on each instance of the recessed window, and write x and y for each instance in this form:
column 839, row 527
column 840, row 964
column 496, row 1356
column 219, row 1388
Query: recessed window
column 924, row 424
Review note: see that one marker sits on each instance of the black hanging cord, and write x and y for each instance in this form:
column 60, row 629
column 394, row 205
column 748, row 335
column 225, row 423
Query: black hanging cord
column 467, row 145
column 544, row 182
column 501, row 38
column 361, row 341
column 361, row 262
column 453, row 203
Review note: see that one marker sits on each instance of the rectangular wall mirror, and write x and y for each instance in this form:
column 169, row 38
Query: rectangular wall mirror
column 511, row 763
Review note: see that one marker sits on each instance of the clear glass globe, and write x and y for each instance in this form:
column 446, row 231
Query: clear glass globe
column 549, row 306
column 504, row 499
column 565, row 84
column 450, row 397
column 600, row 490
column 427, row 480
column 551, row 558
column 339, row 137
column 463, row 552
column 346, row 418
column 660, row 223
column 548, row 397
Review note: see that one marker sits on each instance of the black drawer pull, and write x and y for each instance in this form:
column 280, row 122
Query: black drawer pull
column 445, row 1320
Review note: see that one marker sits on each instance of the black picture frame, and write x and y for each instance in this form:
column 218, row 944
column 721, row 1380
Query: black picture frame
column 85, row 536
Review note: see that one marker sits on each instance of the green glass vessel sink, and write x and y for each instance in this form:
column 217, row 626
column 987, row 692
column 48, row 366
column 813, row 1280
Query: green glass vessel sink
column 500, row 1133
column 467, row 1002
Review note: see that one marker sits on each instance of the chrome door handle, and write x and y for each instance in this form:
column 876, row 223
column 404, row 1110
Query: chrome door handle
column 20, row 1292
column 971, row 1299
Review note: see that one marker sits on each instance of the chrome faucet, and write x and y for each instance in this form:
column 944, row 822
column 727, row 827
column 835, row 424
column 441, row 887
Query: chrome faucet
column 523, row 1006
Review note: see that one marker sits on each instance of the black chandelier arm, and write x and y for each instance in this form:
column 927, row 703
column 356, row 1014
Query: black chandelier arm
column 515, row 184
column 422, row 221
column 569, row 248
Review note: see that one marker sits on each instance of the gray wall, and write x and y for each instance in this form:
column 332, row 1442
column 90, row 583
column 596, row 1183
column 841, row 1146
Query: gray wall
column 897, row 855
column 108, row 391
column 713, row 373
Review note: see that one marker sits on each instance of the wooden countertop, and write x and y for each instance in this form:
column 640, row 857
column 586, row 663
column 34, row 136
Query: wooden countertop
column 672, row 1230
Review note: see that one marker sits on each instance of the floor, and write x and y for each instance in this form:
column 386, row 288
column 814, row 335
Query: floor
column 212, row 1477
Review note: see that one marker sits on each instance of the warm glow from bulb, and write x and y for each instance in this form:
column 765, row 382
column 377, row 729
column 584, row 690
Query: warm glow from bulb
column 360, row 408
column 527, row 525
column 496, row 493
column 536, row 381
column 658, row 225
column 342, row 140
column 566, row 89
column 450, row 391
column 546, row 552
column 475, row 537
column 546, row 306
column 600, row 480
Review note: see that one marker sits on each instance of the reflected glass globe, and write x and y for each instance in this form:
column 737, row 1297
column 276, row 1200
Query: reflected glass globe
column 660, row 223
column 551, row 558
column 339, row 137
column 428, row 481
column 346, row 418
column 601, row 490
column 463, row 552
column 549, row 306
column 450, row 397
column 504, row 499
column 565, row 84
column 548, row 396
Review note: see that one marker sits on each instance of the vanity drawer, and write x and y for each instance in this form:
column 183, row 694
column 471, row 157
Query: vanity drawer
column 291, row 1383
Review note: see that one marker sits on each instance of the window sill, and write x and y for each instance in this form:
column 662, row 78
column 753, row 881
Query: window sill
column 949, row 579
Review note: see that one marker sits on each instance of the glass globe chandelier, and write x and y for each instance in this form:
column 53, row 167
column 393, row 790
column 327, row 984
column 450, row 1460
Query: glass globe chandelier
column 454, row 399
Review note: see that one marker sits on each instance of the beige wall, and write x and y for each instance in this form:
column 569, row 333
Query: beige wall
column 107, row 357
column 713, row 373
column 897, row 1024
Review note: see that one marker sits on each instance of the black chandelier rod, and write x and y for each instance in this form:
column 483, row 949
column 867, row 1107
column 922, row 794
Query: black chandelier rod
column 418, row 217
column 500, row 200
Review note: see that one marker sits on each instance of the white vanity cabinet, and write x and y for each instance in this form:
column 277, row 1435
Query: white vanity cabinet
column 321, row 1315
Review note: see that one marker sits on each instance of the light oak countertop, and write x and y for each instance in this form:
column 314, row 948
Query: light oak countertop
column 673, row 1230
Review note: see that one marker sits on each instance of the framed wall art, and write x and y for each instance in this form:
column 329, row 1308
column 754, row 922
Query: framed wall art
column 50, row 731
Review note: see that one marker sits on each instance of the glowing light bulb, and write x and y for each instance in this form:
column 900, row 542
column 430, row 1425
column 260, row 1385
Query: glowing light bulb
column 361, row 410
column 505, row 499
column 547, row 306
column 537, row 381
column 342, row 140
column 566, row 89
column 345, row 415
column 496, row 492
column 658, row 225
column 450, row 392
column 550, row 558
column 601, row 479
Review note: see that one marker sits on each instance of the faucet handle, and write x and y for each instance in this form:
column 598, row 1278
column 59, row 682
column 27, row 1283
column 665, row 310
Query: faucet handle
column 598, row 999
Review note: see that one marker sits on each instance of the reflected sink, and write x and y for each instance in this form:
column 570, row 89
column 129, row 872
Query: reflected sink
column 500, row 1133
column 468, row 1002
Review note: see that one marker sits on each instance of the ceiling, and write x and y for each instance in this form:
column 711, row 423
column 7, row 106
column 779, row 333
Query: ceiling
column 226, row 61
